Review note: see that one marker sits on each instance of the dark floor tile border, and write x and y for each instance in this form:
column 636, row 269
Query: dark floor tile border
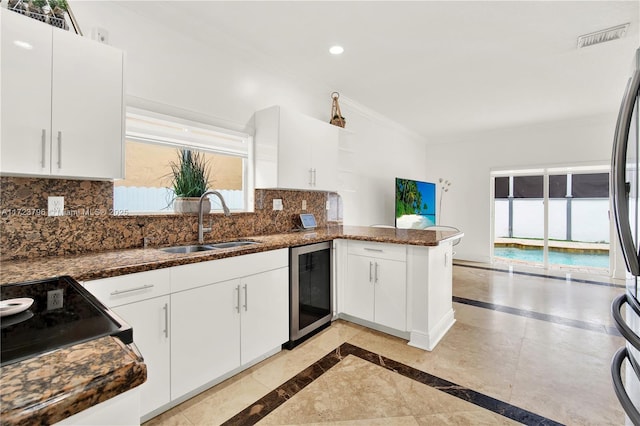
column 601, row 328
column 533, row 274
column 265, row 405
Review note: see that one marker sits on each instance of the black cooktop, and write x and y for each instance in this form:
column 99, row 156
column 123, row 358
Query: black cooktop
column 63, row 314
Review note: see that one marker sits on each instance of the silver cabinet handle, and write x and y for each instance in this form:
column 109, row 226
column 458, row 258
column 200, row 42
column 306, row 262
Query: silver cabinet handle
column 238, row 299
column 116, row 292
column 310, row 177
column 246, row 303
column 166, row 320
column 44, row 145
column 376, row 272
column 315, row 175
column 370, row 273
column 59, row 150
column 372, row 249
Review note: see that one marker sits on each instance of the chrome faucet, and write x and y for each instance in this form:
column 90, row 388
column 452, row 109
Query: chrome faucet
column 202, row 229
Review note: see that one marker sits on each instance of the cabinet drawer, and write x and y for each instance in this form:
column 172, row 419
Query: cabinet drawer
column 195, row 275
column 378, row 250
column 131, row 288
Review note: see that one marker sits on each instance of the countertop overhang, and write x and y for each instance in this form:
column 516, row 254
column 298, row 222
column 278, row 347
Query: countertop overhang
column 120, row 262
column 51, row 387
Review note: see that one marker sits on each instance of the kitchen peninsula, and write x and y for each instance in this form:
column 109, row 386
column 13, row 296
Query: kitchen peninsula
column 425, row 256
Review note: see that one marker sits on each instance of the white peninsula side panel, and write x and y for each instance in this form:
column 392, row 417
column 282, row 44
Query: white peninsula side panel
column 429, row 275
column 399, row 289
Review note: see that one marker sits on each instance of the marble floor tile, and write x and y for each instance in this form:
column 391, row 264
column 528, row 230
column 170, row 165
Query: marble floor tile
column 568, row 386
column 546, row 334
column 494, row 321
column 218, row 404
column 286, row 364
column 476, row 358
column 170, row 418
column 387, row 421
column 557, row 371
column 476, row 418
column 356, row 390
column 571, row 300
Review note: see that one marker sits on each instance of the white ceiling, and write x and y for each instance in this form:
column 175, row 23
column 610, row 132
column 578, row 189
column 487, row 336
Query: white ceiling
column 435, row 67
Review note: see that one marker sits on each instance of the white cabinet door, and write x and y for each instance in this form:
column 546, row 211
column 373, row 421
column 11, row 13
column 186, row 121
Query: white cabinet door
column 150, row 322
column 205, row 339
column 358, row 289
column 25, row 141
column 390, row 293
column 264, row 313
column 87, row 107
column 294, row 150
column 324, row 157
column 62, row 102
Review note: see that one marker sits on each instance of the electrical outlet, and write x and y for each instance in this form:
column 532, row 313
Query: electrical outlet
column 304, row 204
column 328, row 205
column 277, row 204
column 55, row 299
column 101, row 35
column 55, row 206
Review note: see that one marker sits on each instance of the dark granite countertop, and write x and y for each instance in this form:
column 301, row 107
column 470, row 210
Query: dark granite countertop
column 69, row 380
column 51, row 387
column 119, row 262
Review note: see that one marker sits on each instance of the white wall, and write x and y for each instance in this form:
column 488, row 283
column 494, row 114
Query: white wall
column 221, row 83
column 224, row 86
column 467, row 161
column 382, row 151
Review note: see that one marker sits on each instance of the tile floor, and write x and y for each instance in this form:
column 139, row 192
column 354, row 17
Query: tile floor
column 548, row 356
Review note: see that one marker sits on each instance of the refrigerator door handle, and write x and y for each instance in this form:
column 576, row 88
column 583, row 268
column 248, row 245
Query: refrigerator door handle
column 621, row 324
column 618, row 385
column 618, row 167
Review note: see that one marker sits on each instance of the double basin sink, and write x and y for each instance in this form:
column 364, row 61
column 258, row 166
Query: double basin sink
column 207, row 247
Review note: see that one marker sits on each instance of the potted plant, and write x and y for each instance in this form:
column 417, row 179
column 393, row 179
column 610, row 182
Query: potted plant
column 189, row 180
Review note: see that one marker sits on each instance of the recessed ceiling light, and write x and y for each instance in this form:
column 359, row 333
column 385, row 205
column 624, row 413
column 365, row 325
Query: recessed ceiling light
column 336, row 50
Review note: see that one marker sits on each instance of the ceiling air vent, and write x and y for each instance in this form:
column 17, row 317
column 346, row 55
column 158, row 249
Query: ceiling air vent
column 602, row 36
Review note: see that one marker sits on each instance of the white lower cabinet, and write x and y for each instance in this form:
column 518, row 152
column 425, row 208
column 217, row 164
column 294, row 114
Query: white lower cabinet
column 264, row 312
column 221, row 326
column 150, row 322
column 192, row 329
column 376, row 284
column 205, row 341
column 142, row 300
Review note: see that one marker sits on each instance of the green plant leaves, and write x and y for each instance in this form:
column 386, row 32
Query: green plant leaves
column 190, row 174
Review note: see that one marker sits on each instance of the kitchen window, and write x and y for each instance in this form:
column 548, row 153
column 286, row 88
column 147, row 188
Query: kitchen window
column 152, row 141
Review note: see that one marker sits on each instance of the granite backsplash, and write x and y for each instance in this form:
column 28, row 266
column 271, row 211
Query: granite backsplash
column 89, row 224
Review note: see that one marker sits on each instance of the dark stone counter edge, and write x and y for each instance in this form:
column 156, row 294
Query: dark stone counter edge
column 97, row 390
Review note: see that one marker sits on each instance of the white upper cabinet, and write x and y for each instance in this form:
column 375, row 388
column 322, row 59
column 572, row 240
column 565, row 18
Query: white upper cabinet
column 62, row 102
column 295, row 151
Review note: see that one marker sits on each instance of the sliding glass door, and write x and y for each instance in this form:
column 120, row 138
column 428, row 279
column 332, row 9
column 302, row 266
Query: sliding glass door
column 554, row 218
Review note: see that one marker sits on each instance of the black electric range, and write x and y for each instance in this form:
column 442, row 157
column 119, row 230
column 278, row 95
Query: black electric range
column 63, row 313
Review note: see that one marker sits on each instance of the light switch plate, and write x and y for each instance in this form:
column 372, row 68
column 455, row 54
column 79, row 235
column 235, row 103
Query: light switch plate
column 55, row 206
column 304, row 204
column 277, row 204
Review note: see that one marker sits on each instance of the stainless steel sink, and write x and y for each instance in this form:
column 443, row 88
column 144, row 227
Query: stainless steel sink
column 231, row 244
column 189, row 249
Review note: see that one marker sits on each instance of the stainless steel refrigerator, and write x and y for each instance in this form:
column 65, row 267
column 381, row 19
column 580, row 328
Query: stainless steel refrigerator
column 625, row 184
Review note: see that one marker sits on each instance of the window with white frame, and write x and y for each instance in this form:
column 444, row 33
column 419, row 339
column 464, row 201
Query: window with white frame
column 153, row 141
